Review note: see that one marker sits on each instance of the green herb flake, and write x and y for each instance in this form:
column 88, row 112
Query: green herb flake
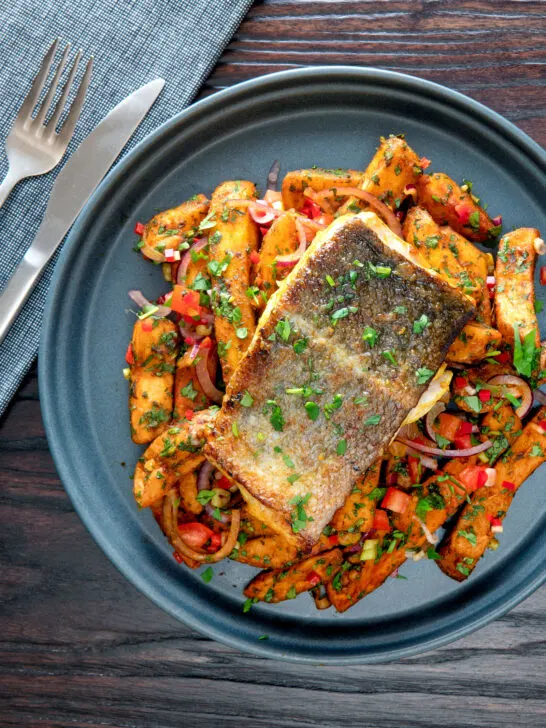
column 370, row 335
column 470, row 536
column 372, row 420
column 300, row 345
column 330, row 281
column 390, row 356
column 473, row 402
column 341, row 448
column 292, row 478
column 207, row 575
column 433, row 554
column 247, row 400
column 423, row 375
column 313, row 410
column 526, row 353
column 283, row 329
column 421, row 324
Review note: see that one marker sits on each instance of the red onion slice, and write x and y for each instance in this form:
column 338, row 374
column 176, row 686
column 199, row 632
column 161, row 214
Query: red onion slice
column 386, row 213
column 152, row 253
column 510, row 380
column 447, row 453
column 430, row 537
column 186, row 259
column 140, row 299
column 262, row 213
column 205, row 474
column 432, row 414
column 205, row 381
column 292, row 258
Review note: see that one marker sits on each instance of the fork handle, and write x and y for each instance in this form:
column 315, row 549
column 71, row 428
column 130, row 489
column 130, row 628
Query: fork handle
column 8, row 183
column 18, row 289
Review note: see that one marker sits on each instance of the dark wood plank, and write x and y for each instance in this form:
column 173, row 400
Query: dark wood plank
column 80, row 647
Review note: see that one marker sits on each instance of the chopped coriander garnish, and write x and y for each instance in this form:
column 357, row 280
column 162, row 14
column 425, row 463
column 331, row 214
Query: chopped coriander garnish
column 341, row 448
column 470, row 536
column 539, row 305
column 513, row 400
column 330, row 281
column 536, row 451
column 207, row 575
column 526, row 353
column 276, row 417
column 300, row 345
column 247, row 400
column 217, row 267
column 390, row 357
column 313, row 410
column 432, row 553
column 400, row 309
column 420, row 325
column 248, row 604
column 474, row 403
column 370, row 335
column 298, row 515
column 235, row 428
column 423, row 375
column 189, row 391
column 372, row 420
column 474, row 220
column 363, row 399
column 292, row 478
column 283, row 329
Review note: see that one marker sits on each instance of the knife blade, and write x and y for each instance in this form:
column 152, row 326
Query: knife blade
column 74, row 185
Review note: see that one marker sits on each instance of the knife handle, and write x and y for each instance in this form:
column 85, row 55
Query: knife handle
column 19, row 287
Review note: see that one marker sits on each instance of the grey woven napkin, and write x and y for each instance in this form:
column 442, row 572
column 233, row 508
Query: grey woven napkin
column 133, row 41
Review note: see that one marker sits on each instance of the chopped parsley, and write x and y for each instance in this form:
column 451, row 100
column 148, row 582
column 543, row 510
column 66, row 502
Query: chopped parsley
column 526, row 354
column 421, row 324
column 300, row 345
column 423, row 375
column 189, row 391
column 341, row 448
column 217, row 267
column 207, row 575
column 276, row 417
column 390, row 356
column 247, row 400
column 292, row 478
column 372, row 420
column 283, row 329
column 370, row 335
column 473, row 402
column 298, row 515
column 536, row 451
column 313, row 410
column 470, row 536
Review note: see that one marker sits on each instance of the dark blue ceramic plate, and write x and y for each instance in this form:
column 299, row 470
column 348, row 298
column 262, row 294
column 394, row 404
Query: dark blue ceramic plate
column 330, row 117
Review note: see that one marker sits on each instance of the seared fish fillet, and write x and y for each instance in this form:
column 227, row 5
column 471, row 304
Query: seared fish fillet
column 343, row 351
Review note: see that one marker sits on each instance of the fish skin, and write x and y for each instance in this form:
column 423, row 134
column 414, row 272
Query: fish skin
column 245, row 445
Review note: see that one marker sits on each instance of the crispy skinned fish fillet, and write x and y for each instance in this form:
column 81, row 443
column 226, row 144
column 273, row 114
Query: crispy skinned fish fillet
column 343, row 351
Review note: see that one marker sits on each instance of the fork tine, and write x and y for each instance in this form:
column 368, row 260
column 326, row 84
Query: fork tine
column 66, row 90
column 37, row 85
column 69, row 125
column 48, row 100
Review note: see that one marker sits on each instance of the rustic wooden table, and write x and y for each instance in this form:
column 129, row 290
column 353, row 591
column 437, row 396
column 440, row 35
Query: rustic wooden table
column 80, row 647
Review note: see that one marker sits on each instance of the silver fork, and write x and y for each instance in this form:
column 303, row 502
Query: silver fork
column 34, row 147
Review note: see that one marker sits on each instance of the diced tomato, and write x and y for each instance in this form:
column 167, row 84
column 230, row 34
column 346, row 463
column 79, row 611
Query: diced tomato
column 392, row 478
column 190, row 341
column 333, row 539
column 189, row 414
column 465, row 428
column 186, row 303
column 424, row 163
column 396, row 500
column 147, row 325
column 508, row 485
column 311, row 209
column 473, row 477
column 139, row 229
column 177, row 557
column 313, row 578
column 543, row 275
column 449, row 426
column 195, row 534
column 129, row 356
column 223, row 483
column 414, row 469
column 381, row 521
column 462, row 443
column 494, row 521
column 542, row 425
column 463, row 211
column 484, row 395
column 503, row 358
column 215, row 542
column 461, row 382
column 206, row 343
column 255, row 257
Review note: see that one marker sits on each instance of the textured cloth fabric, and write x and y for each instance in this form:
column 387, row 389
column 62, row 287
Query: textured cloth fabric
column 133, row 41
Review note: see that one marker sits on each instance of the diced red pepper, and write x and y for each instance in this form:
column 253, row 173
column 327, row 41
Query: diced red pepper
column 396, row 500
column 177, row 557
column 195, row 534
column 462, row 443
column 392, row 478
column 255, row 257
column 543, row 275
column 206, row 343
column 311, row 209
column 333, row 539
column 494, row 521
column 190, row 341
column 503, row 358
column 463, row 211
column 465, row 428
column 139, row 229
column 223, row 483
column 508, row 485
column 263, row 231
column 424, row 163
column 381, row 521
column 414, row 468
column 313, row 578
column 461, row 382
column 215, row 542
column 189, row 414
column 129, row 356
column 542, row 425
column 147, row 325
column 484, row 395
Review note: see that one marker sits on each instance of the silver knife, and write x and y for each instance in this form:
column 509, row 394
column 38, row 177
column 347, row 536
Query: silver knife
column 73, row 187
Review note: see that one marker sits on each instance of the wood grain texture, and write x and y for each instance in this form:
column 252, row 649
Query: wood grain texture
column 80, row 647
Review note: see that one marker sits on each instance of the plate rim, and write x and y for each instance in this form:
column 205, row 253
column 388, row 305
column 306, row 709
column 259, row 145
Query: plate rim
column 326, row 74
